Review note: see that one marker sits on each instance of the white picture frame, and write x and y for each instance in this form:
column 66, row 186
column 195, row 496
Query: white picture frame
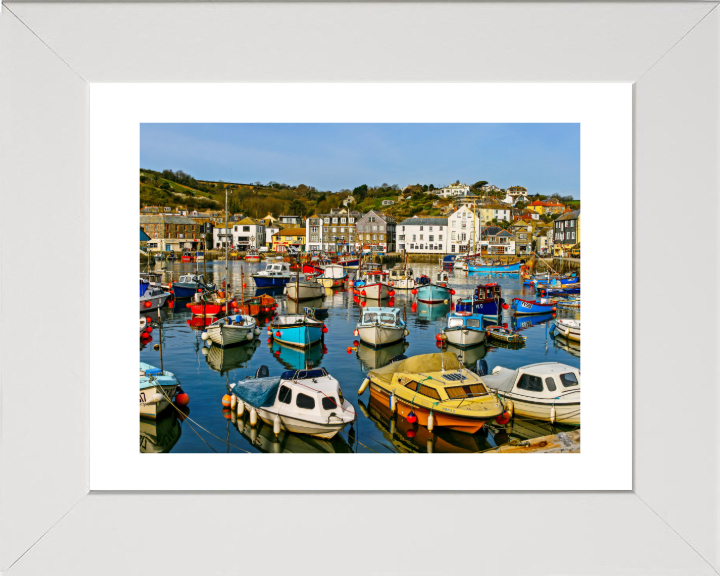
column 49, row 53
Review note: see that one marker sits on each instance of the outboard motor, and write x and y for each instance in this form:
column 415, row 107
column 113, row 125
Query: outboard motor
column 262, row 372
column 481, row 367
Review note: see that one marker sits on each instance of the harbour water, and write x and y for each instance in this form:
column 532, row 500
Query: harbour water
column 205, row 371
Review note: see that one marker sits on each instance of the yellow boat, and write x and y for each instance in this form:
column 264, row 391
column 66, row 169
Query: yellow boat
column 434, row 384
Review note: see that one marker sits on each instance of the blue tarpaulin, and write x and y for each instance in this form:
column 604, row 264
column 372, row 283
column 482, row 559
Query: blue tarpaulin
column 259, row 392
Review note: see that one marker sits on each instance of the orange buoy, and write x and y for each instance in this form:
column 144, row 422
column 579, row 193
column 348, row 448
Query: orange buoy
column 503, row 418
column 182, row 399
column 226, row 400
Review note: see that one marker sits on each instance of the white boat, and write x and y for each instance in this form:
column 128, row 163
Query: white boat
column 235, row 329
column 547, row 391
column 401, row 279
column 373, row 285
column 299, row 401
column 570, row 329
column 464, row 329
column 381, row 326
column 156, row 387
column 333, row 276
column 153, row 299
column 304, row 290
column 143, row 324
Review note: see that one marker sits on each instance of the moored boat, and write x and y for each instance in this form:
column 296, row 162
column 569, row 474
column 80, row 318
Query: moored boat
column 373, row 285
column 153, row 298
column 156, row 387
column 503, row 334
column 435, row 390
column 547, row 391
column 379, row 326
column 486, row 300
column 234, row 329
column 401, row 278
column 252, row 255
column 189, row 284
column 188, row 257
column 296, row 330
column 333, row 276
column 299, row 401
column 568, row 328
column 542, row 306
column 434, row 293
column 464, row 329
column 514, row 267
column 304, row 290
column 275, row 274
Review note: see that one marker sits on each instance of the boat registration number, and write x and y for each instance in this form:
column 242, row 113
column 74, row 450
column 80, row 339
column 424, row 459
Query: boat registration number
column 142, row 397
column 526, row 304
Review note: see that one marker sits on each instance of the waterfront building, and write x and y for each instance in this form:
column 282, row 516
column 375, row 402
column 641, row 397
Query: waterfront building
column 289, row 237
column 496, row 241
column 420, row 235
column 287, row 220
column 241, row 235
column 566, row 232
column 376, row 232
column 490, row 212
column 336, row 229
column 464, row 231
column 314, row 233
column 170, row 232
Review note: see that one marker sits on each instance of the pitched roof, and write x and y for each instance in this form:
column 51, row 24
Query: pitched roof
column 490, row 230
column 165, row 219
column 247, row 220
column 415, row 220
column 574, row 215
column 504, row 233
column 291, row 232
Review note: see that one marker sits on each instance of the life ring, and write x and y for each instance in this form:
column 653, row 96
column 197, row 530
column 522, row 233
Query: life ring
column 463, row 313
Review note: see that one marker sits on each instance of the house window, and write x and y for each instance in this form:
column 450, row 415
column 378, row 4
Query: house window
column 440, row 237
column 421, row 236
column 245, row 228
column 453, row 224
column 452, row 235
column 431, row 238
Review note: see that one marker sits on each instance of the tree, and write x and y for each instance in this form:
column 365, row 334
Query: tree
column 431, row 187
column 478, row 184
column 360, row 192
column 164, row 186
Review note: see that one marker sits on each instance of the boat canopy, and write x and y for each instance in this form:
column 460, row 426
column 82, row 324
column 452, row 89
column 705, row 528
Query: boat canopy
column 304, row 374
column 422, row 363
column 381, row 315
column 504, row 380
column 455, row 320
column 258, row 392
column 334, row 271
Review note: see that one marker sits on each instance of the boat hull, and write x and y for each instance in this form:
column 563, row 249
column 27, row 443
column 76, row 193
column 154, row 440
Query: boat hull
column 252, row 258
column 350, row 264
column 433, row 294
column 199, row 309
column 373, row 291
column 184, row 290
column 230, row 335
column 381, row 335
column 525, row 307
column 304, row 291
column 152, row 410
column 404, row 284
column 332, row 282
column 270, row 281
column 565, row 412
column 499, row 268
column 465, row 337
column 299, row 336
column 571, row 331
column 467, row 425
column 297, row 426
column 484, row 307
column 156, row 302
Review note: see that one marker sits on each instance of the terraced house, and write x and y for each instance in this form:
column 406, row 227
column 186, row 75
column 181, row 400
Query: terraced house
column 326, row 231
column 170, row 232
column 419, row 235
column 376, row 232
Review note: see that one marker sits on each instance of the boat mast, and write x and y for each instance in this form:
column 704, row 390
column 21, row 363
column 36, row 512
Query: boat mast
column 227, row 278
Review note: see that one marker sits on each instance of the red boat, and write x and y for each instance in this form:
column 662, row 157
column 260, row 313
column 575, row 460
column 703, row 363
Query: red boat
column 206, row 308
column 188, row 257
column 257, row 306
column 310, row 269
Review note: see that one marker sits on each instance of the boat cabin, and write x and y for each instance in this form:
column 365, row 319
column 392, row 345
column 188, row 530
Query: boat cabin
column 490, row 291
column 442, row 277
column 458, row 319
column 400, row 273
column 375, row 277
column 277, row 269
column 191, row 279
column 334, row 271
column 544, row 381
column 381, row 316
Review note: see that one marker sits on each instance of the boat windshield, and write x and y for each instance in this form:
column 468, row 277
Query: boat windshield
column 473, row 323
column 455, row 322
column 369, row 317
column 387, row 318
column 466, row 391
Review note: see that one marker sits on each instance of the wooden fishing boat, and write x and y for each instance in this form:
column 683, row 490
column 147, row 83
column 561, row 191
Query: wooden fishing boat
column 349, row 263
column 464, row 329
column 252, row 255
column 188, row 257
column 568, row 328
column 209, row 304
column 153, row 298
column 503, row 334
column 333, row 276
column 261, row 305
column 548, row 391
column 156, row 387
column 486, row 300
column 401, row 278
column 380, row 326
column 235, row 329
column 189, row 284
column 520, row 306
column 299, row 401
column 304, row 290
column 434, row 293
column 436, row 390
column 372, row 284
column 297, row 330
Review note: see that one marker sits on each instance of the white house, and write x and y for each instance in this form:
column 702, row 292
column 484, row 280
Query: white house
column 243, row 235
column 464, row 229
column 349, row 200
column 518, row 194
column 419, row 235
column 453, row 190
column 489, row 188
column 314, row 233
column 388, row 202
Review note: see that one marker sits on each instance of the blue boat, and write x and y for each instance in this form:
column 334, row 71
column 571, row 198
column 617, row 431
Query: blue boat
column 487, row 300
column 562, row 291
column 354, row 263
column 523, row 322
column 525, row 307
column 494, row 267
column 275, row 274
column 297, row 330
column 464, row 329
column 431, row 312
column 144, row 285
column 294, row 358
column 188, row 285
column 433, row 293
column 449, row 260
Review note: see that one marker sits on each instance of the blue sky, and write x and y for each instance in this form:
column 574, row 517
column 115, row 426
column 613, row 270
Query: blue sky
column 544, row 158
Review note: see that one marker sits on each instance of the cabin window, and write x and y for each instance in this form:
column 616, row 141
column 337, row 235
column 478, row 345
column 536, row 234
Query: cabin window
column 329, row 403
column 387, row 318
column 453, row 322
column 285, row 395
column 466, row 391
column 304, row 401
column 530, row 383
column 568, row 379
column 369, row 317
column 550, row 383
column 424, row 390
column 473, row 323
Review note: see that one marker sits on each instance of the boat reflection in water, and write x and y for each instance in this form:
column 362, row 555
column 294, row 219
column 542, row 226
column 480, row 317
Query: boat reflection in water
column 270, row 291
column 263, row 439
column 200, row 322
column 523, row 322
column 431, row 312
column 523, row 429
column 162, row 433
column 406, row 437
column 294, row 308
column 230, row 358
column 371, row 358
column 570, row 346
column 294, row 358
column 468, row 356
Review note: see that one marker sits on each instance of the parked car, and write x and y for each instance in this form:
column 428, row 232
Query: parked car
column 263, row 249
